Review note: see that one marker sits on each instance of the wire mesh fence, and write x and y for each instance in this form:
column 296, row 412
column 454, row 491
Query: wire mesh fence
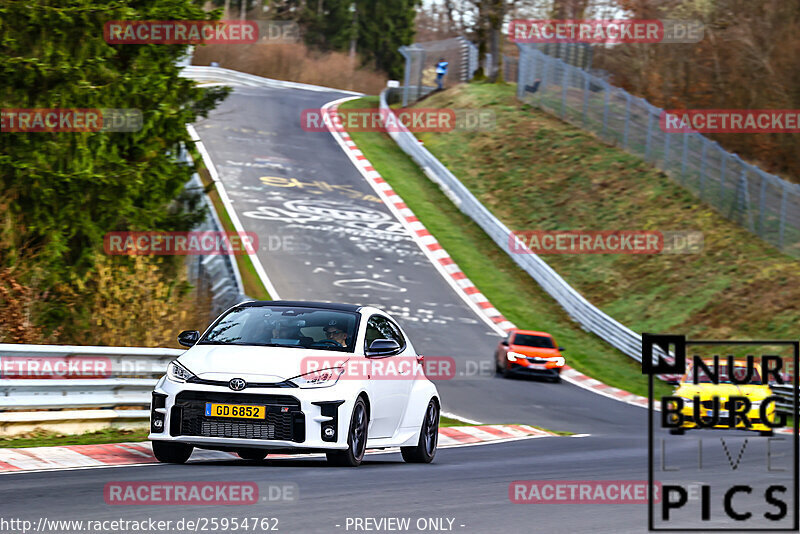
column 421, row 59
column 761, row 202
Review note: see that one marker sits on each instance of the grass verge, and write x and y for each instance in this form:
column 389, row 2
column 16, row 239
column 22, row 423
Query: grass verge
column 42, row 438
column 507, row 286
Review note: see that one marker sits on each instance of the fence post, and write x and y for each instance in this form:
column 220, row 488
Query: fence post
column 762, row 194
column 627, row 119
column 605, row 109
column 649, row 134
column 743, row 197
column 585, row 95
column 563, row 90
column 423, row 55
column 522, row 69
column 406, row 74
column 782, row 225
column 666, row 151
column 684, row 157
column 722, row 171
column 703, row 166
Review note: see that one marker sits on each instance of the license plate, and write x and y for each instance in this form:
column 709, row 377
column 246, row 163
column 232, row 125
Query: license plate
column 235, row 410
column 536, row 365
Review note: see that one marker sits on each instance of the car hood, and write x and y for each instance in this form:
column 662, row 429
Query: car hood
column 256, row 364
column 708, row 391
column 534, row 351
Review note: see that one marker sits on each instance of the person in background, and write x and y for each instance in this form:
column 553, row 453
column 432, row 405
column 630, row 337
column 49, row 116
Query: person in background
column 441, row 70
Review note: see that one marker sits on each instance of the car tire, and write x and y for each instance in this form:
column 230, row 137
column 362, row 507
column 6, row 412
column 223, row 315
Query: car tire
column 425, row 450
column 765, row 433
column 556, row 379
column 507, row 372
column 356, row 439
column 171, row 453
column 497, row 367
column 677, row 431
column 253, row 455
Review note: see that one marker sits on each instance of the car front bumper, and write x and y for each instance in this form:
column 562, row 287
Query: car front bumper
column 523, row 370
column 296, row 418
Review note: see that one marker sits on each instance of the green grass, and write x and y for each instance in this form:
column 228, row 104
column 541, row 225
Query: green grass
column 536, row 172
column 447, row 421
column 42, row 438
column 508, row 287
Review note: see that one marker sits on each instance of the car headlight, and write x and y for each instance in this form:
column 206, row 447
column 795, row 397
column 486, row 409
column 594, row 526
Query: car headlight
column 323, row 378
column 178, row 373
column 555, row 361
column 512, row 356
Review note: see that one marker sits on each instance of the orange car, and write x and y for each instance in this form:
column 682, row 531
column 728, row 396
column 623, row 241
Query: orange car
column 528, row 352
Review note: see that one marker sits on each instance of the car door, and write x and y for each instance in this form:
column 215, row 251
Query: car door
column 388, row 390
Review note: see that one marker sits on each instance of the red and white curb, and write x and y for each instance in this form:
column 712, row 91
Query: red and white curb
column 141, row 453
column 445, row 264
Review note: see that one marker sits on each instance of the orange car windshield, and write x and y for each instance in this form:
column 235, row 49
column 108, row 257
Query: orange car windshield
column 528, row 340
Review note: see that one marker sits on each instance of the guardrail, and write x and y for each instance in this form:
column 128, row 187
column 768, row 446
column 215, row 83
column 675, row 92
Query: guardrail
column 29, row 400
column 786, row 402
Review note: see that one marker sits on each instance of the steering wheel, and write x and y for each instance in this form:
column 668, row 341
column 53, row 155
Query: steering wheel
column 328, row 342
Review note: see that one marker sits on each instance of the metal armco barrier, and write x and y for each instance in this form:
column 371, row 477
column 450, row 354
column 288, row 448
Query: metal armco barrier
column 39, row 388
column 786, row 402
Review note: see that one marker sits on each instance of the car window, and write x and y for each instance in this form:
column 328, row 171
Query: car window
column 528, row 340
column 379, row 327
column 284, row 326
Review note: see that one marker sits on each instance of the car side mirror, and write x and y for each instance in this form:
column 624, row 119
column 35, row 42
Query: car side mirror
column 188, row 338
column 380, row 347
column 504, row 342
column 561, row 349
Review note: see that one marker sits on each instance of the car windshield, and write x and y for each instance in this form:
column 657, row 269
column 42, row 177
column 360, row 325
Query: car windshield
column 284, row 326
column 740, row 373
column 528, row 340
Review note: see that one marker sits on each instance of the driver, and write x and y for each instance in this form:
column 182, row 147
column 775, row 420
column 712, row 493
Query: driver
column 287, row 331
column 335, row 333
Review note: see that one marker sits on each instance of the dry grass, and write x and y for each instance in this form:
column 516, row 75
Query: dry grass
column 294, row 63
column 139, row 301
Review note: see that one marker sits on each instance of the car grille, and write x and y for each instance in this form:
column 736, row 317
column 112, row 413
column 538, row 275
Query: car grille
column 284, row 419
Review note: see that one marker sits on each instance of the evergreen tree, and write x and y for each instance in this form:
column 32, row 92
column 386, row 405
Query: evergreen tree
column 69, row 189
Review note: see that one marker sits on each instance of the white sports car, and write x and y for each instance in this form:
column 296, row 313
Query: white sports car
column 297, row 377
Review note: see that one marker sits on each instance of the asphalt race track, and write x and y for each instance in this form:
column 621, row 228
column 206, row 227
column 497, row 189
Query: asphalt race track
column 324, row 235
column 299, row 189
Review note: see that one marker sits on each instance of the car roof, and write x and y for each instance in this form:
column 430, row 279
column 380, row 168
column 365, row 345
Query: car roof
column 302, row 304
column 532, row 333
